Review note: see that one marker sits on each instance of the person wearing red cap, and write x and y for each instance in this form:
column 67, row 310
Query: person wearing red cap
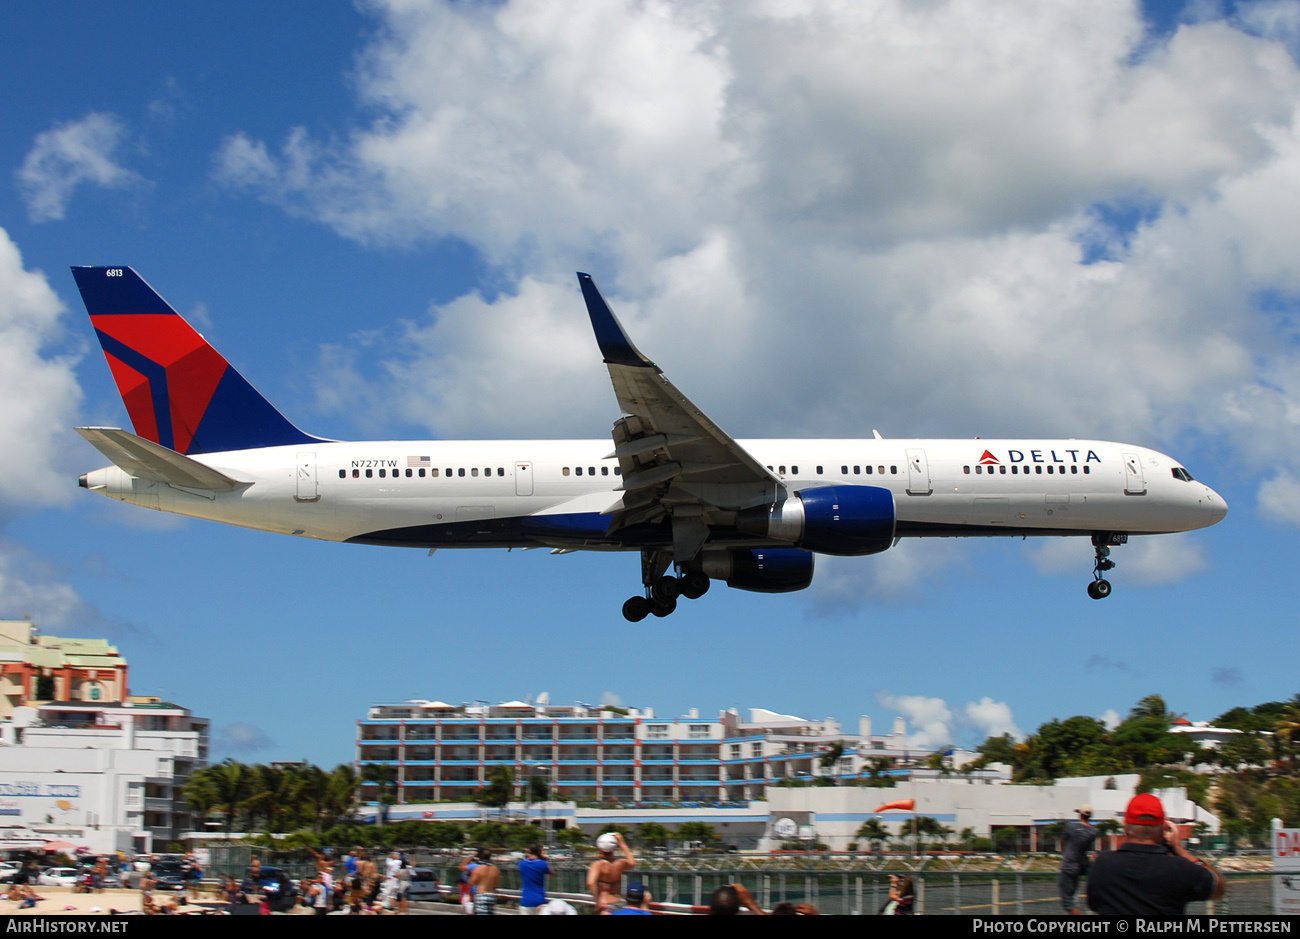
column 1151, row 874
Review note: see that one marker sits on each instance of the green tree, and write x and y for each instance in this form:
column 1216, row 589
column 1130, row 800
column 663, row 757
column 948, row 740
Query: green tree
column 829, row 761
column 652, row 835
column 384, row 777
column 874, row 832
column 697, row 831
column 499, row 789
column 1056, row 745
column 231, row 784
column 1243, row 750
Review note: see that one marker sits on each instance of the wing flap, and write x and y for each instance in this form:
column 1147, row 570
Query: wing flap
column 145, row 459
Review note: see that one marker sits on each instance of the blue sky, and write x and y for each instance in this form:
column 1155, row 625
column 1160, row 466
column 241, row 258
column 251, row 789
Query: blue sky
column 957, row 220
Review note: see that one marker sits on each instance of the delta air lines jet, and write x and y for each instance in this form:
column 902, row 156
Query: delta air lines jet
column 671, row 484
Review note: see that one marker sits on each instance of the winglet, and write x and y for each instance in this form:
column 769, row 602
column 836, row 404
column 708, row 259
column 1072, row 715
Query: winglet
column 614, row 343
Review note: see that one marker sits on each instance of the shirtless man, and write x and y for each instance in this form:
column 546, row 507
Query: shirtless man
column 483, row 881
column 605, row 876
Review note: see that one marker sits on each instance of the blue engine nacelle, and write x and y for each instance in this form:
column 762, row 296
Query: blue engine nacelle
column 842, row 520
column 762, row 570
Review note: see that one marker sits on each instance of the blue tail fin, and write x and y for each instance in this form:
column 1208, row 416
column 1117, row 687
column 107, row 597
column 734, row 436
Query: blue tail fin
column 179, row 390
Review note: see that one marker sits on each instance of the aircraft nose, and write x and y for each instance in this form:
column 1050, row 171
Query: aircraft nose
column 1218, row 507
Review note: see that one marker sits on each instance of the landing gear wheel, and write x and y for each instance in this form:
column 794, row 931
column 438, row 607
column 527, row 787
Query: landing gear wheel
column 1099, row 589
column 695, row 584
column 666, row 590
column 636, row 609
column 662, row 609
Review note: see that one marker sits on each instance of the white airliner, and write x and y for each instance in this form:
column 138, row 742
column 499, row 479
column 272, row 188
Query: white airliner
column 671, row 484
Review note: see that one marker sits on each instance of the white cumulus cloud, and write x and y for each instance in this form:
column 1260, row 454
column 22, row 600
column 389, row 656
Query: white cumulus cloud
column 936, row 219
column 68, row 155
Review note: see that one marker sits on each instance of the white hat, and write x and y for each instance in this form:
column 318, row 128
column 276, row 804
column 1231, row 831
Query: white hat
column 557, row 908
column 607, row 842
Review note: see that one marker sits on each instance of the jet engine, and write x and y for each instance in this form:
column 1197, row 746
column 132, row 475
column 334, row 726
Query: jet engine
column 841, row 520
column 762, row 570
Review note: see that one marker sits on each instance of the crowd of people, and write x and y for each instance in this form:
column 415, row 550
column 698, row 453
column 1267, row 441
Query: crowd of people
column 1151, row 873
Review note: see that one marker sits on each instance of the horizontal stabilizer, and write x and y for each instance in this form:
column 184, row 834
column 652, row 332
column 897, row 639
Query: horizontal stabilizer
column 145, row 459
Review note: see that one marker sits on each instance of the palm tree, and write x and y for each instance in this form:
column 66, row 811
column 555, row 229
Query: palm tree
column 382, row 775
column 873, row 832
column 200, row 796
column 830, row 759
column 231, row 784
column 341, row 792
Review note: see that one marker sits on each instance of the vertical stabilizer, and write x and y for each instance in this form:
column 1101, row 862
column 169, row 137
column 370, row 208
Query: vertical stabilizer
column 180, row 392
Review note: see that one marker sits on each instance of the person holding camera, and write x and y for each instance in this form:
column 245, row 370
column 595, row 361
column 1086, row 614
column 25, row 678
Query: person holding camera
column 1151, row 874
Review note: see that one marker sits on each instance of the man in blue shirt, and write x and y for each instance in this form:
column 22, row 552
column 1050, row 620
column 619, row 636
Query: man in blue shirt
column 533, row 871
column 637, row 898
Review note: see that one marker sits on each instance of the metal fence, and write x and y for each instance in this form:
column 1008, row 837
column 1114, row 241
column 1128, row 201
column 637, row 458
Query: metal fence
column 849, row 890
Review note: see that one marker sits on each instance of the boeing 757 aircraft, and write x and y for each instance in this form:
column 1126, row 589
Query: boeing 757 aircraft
column 671, row 484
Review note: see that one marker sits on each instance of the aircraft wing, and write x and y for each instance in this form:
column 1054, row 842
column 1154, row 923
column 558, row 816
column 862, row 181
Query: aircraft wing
column 145, row 459
column 674, row 460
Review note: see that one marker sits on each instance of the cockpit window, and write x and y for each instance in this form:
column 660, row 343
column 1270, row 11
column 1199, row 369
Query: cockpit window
column 1180, row 473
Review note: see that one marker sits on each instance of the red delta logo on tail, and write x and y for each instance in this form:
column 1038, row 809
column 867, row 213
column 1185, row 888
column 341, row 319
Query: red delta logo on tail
column 180, row 392
column 988, row 459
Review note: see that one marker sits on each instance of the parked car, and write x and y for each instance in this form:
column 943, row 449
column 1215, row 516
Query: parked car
column 425, row 886
column 276, row 885
column 59, row 877
column 168, row 874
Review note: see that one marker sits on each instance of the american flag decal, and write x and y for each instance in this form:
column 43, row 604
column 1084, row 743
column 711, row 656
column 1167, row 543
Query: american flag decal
column 417, row 461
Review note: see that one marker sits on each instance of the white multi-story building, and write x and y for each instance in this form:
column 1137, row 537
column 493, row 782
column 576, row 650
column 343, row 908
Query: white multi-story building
column 81, row 761
column 442, row 752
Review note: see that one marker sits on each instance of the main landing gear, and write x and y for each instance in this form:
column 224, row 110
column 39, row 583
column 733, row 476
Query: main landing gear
column 1099, row 589
column 662, row 592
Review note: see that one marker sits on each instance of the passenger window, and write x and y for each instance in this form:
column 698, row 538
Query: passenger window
column 868, row 470
column 1074, row 470
column 1038, row 470
column 578, row 470
column 844, row 471
column 782, row 470
column 966, row 470
column 422, row 472
column 857, row 471
column 893, row 470
column 591, row 471
column 460, row 472
column 433, row 472
column 979, row 470
column 1049, row 471
column 604, row 471
column 1002, row 470
column 381, row 474
column 1087, row 470
column 882, row 471
column 501, row 470
column 356, row 473
column 408, row 473
column 343, row 474
column 819, row 471
column 794, row 470
column 473, row 470
column 370, row 474
column 564, row 472
column 618, row 471
column 1015, row 470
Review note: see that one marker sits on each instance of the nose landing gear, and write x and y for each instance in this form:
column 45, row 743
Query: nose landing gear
column 1099, row 589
